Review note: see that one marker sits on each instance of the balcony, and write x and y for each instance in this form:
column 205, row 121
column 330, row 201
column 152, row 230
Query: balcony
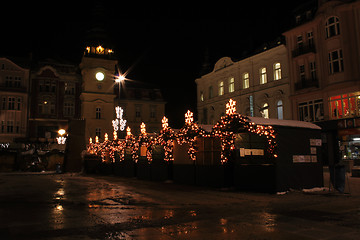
column 303, row 50
column 306, row 83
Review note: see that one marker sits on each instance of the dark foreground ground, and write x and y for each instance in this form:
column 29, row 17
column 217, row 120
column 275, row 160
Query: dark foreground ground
column 91, row 207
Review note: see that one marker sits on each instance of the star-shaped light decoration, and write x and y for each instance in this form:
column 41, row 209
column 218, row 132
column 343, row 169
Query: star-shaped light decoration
column 231, row 107
column 189, row 117
column 143, row 129
column 165, row 123
column 106, row 137
column 128, row 131
column 115, row 135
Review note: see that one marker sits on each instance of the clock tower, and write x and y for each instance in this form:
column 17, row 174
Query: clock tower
column 97, row 98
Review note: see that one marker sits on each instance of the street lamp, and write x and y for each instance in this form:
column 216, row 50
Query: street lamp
column 119, row 79
column 119, row 122
column 61, row 139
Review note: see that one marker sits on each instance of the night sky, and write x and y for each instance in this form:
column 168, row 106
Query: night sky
column 163, row 44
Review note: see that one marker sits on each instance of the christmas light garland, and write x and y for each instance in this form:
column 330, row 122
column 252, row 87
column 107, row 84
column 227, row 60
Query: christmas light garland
column 225, row 129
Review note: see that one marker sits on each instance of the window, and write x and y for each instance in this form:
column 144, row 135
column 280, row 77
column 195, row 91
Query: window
column 47, row 86
column 4, row 103
column 8, row 81
column 302, row 72
column 201, row 96
column 336, row 63
column 152, row 111
column 19, row 104
column 98, row 113
column 46, row 106
column 311, row 111
column 231, row 84
column 137, row 111
column 246, row 82
column 221, row 88
column 251, row 103
column 98, row 132
column 2, row 126
column 280, row 113
column 17, row 82
column 11, row 103
column 310, row 38
column 263, row 78
column 313, row 70
column 68, row 109
column 332, row 27
column 299, row 41
column 210, row 92
column 265, row 110
column 277, row 71
column 69, row 88
column 345, row 105
column 10, row 126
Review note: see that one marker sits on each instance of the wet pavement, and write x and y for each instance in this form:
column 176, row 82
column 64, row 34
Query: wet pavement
column 66, row 206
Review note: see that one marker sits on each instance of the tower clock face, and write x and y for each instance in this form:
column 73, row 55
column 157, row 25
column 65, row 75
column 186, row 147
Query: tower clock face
column 99, row 76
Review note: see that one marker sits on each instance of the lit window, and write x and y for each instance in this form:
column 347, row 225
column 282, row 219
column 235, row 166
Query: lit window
column 277, row 71
column 265, row 110
column 263, row 78
column 332, row 27
column 345, row 106
column 280, row 109
column 246, row 82
column 231, row 84
column 201, row 96
column 221, row 88
column 336, row 63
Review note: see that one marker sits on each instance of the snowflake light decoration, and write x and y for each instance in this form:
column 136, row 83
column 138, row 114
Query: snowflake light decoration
column 189, row 117
column 119, row 122
column 165, row 123
column 231, row 107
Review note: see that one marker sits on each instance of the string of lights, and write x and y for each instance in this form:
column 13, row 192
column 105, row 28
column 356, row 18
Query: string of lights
column 225, row 129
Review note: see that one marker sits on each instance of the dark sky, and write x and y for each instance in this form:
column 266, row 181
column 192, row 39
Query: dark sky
column 163, row 44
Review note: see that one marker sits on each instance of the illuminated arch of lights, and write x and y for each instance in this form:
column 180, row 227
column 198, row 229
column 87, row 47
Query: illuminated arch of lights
column 224, row 129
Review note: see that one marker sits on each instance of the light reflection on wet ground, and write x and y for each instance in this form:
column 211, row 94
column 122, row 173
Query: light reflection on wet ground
column 77, row 207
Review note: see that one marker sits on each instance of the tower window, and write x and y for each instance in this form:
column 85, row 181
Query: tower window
column 98, row 113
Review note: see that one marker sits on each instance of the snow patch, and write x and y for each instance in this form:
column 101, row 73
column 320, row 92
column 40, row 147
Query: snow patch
column 315, row 189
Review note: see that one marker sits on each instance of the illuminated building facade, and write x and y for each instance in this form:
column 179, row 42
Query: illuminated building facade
column 259, row 84
column 14, row 86
column 54, row 99
column 324, row 59
column 100, row 96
